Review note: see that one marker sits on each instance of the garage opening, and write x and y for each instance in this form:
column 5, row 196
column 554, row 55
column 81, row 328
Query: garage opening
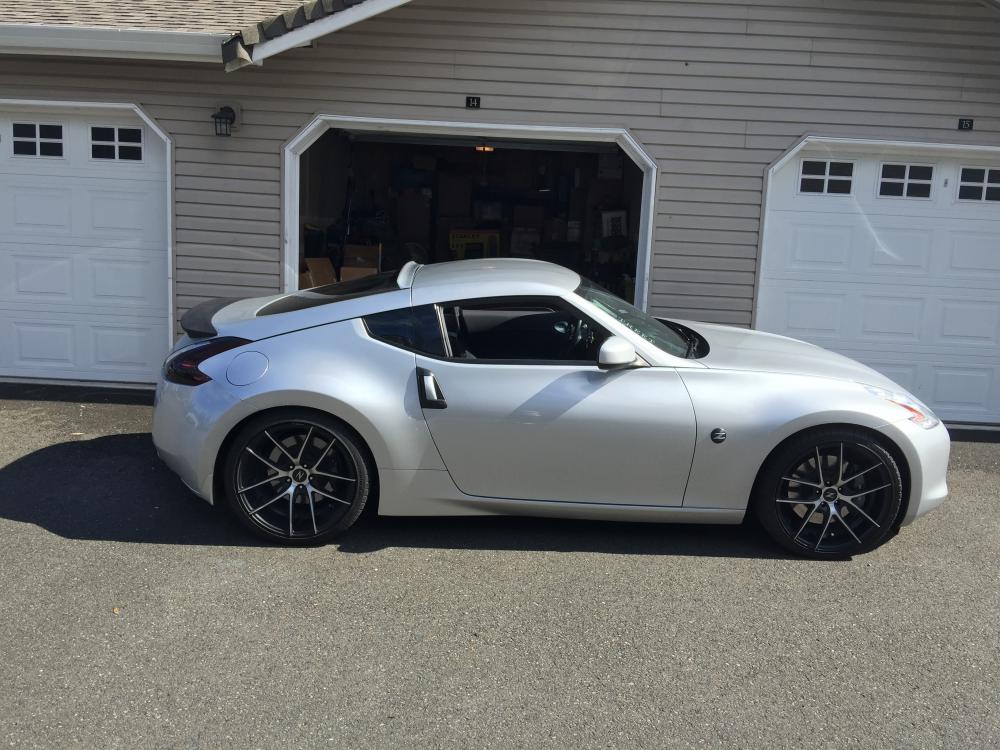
column 370, row 201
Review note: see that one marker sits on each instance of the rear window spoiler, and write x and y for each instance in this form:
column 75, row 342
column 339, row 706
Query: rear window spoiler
column 405, row 278
column 197, row 322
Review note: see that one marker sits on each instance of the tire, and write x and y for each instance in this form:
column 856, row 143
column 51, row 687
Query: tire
column 849, row 510
column 297, row 477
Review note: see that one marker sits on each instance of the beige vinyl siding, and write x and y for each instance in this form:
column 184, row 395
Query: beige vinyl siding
column 714, row 90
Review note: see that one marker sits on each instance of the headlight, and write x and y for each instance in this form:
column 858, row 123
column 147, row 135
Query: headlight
column 919, row 414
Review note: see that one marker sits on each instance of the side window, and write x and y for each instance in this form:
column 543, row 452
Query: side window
column 521, row 330
column 415, row 328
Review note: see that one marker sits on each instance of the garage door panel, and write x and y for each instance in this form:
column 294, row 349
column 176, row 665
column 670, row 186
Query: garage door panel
column 809, row 313
column 47, row 277
column 890, row 319
column 122, row 347
column 42, row 344
column 973, row 322
column 39, row 210
column 137, row 213
column 137, row 283
column 896, row 250
column 925, row 317
column 818, row 247
column 963, row 387
column 61, row 345
column 975, row 252
column 96, row 209
column 85, row 279
column 83, row 258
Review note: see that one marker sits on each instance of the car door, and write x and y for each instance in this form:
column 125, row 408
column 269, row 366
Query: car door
column 541, row 424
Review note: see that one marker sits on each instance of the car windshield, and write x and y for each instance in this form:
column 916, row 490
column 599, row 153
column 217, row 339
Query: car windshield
column 643, row 324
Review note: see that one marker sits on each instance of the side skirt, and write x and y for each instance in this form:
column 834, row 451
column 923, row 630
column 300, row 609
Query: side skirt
column 433, row 493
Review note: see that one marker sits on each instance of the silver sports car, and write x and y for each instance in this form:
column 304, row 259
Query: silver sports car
column 516, row 387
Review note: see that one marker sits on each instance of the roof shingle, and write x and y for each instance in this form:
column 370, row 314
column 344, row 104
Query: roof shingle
column 205, row 16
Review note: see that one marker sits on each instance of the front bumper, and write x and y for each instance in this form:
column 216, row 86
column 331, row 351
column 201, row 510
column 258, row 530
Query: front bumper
column 926, row 453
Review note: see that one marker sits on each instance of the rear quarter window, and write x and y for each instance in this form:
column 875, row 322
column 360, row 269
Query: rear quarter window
column 413, row 328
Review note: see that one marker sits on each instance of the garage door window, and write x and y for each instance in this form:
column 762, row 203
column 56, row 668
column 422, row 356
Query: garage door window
column 906, row 181
column 37, row 139
column 826, row 177
column 979, row 183
column 119, row 144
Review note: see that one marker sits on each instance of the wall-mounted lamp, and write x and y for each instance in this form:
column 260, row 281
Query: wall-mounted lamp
column 224, row 118
column 485, row 148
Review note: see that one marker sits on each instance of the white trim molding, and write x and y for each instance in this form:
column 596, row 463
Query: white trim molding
column 78, row 41
column 154, row 127
column 832, row 146
column 302, row 140
column 307, row 34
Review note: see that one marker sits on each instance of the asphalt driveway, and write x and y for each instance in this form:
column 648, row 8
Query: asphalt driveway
column 133, row 614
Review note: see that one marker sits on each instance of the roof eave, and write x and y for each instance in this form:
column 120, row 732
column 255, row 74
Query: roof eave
column 298, row 28
column 77, row 41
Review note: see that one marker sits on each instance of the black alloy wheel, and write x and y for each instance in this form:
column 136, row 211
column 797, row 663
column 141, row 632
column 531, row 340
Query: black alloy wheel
column 830, row 495
column 297, row 477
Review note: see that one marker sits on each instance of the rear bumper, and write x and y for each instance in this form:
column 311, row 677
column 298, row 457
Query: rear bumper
column 926, row 453
column 185, row 423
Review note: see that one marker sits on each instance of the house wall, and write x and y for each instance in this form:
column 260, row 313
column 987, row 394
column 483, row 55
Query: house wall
column 714, row 90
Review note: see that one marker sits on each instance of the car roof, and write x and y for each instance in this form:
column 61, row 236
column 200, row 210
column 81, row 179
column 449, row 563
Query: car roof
column 488, row 277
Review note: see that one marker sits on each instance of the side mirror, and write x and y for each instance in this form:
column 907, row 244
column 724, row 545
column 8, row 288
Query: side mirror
column 615, row 354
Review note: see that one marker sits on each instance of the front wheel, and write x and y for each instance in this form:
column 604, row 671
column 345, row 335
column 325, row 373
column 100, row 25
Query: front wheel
column 296, row 476
column 830, row 494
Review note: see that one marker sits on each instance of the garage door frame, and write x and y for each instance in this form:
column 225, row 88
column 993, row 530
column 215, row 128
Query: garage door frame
column 83, row 107
column 833, row 144
column 308, row 135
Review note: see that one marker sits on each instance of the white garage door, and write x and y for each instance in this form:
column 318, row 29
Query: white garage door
column 83, row 247
column 892, row 258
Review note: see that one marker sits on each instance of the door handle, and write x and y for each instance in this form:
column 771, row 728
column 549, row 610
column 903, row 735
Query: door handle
column 431, row 396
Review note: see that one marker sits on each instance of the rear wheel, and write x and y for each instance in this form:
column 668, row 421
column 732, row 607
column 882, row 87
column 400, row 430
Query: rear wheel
column 830, row 494
column 297, row 477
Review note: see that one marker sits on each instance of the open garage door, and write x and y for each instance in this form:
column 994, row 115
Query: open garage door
column 83, row 246
column 373, row 200
column 891, row 255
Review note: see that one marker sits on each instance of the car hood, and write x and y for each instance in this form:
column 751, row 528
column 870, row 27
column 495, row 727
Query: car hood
column 732, row 348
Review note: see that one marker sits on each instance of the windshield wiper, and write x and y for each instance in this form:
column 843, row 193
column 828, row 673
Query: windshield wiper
column 689, row 336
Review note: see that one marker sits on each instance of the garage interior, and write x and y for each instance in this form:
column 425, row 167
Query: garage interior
column 370, row 202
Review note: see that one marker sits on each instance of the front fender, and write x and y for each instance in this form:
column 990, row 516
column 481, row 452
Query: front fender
column 758, row 411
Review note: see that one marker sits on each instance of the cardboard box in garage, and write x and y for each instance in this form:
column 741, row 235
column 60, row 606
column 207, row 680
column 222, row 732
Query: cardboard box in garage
column 319, row 271
column 474, row 243
column 360, row 261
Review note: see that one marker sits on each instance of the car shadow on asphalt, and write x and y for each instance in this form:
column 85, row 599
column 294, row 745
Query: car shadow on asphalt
column 111, row 488
column 114, row 488
column 560, row 535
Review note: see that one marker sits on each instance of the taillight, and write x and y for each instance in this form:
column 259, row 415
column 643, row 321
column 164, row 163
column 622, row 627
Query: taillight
column 182, row 368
